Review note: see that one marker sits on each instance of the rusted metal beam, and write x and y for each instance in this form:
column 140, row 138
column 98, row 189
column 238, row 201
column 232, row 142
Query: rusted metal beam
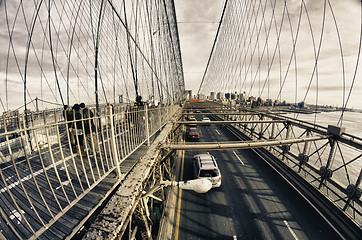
column 223, row 113
column 241, row 145
column 226, row 122
column 348, row 139
column 207, row 108
column 113, row 220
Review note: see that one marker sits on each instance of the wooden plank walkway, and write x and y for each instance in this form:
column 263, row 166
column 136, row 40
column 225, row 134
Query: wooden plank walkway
column 49, row 183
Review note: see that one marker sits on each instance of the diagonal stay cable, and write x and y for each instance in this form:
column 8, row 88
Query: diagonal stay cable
column 137, row 46
column 52, row 54
column 213, row 45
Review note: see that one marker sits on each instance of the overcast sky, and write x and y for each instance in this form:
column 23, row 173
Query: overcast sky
column 198, row 23
column 197, row 26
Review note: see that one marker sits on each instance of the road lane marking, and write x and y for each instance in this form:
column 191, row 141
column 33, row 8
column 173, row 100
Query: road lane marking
column 235, row 238
column 291, row 230
column 217, row 131
column 238, row 158
column 178, row 214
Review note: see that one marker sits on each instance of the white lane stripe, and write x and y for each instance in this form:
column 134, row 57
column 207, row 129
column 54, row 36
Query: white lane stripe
column 217, row 131
column 238, row 158
column 235, row 238
column 291, row 230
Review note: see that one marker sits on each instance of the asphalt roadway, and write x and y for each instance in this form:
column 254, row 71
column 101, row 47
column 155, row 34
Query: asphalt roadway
column 253, row 202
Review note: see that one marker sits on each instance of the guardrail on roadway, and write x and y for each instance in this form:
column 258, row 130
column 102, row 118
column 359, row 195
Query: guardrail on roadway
column 331, row 164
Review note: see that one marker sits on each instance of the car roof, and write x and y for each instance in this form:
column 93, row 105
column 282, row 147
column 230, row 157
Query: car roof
column 207, row 161
column 192, row 128
column 203, row 155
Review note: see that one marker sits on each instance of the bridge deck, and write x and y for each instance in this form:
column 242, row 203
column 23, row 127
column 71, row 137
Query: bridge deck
column 253, row 202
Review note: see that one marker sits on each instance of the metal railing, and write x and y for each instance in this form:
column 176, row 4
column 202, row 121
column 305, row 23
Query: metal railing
column 332, row 164
column 48, row 164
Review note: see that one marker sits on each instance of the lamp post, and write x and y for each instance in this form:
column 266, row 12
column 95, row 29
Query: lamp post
column 198, row 185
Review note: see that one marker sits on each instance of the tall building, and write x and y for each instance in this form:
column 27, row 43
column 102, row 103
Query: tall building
column 188, row 94
column 212, row 96
column 201, row 96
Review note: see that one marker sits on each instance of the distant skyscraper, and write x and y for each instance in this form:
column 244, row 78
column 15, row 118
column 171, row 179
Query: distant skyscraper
column 201, row 96
column 188, row 94
column 212, row 95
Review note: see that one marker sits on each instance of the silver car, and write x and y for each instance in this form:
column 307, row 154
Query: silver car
column 205, row 166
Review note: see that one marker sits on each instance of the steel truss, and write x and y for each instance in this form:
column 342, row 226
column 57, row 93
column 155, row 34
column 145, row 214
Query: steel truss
column 140, row 199
column 44, row 174
column 149, row 205
column 326, row 157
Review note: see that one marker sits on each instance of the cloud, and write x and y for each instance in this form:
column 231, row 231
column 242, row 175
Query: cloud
column 198, row 23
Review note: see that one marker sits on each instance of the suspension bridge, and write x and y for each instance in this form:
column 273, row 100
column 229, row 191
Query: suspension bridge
column 277, row 106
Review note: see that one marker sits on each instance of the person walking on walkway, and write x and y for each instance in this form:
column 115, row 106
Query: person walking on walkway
column 89, row 128
column 68, row 117
column 78, row 130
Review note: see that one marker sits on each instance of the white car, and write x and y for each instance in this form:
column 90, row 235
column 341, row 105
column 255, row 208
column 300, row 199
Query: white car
column 206, row 119
column 205, row 166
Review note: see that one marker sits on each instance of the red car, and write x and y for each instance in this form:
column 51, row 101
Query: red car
column 192, row 134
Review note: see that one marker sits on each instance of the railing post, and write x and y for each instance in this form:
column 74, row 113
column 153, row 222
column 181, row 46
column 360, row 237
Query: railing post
column 354, row 191
column 271, row 136
column 28, row 148
column 113, row 141
column 273, row 130
column 261, row 127
column 306, row 144
column 303, row 157
column 325, row 171
column 147, row 130
column 286, row 148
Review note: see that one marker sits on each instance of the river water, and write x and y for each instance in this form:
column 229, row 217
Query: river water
column 351, row 120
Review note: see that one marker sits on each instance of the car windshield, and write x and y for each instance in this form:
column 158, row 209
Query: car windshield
column 193, row 132
column 208, row 173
